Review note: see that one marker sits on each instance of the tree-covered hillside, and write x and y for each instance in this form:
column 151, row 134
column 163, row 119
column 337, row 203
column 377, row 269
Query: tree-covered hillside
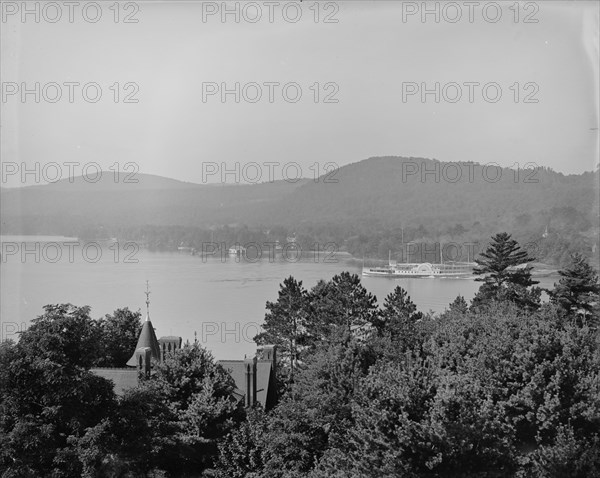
column 367, row 208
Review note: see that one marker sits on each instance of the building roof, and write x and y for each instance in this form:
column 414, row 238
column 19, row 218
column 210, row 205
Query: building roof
column 237, row 370
column 263, row 379
column 174, row 338
column 148, row 339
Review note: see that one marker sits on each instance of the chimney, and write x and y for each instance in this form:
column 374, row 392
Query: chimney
column 250, row 369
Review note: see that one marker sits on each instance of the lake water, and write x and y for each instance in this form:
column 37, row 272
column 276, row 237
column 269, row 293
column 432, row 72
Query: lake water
column 222, row 301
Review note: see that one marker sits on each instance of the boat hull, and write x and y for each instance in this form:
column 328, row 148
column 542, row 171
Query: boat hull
column 421, row 271
column 418, row 276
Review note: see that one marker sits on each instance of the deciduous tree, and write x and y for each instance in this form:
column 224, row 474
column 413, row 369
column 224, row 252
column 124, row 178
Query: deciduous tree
column 119, row 334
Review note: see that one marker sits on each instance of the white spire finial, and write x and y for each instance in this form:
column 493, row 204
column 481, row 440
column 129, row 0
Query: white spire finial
column 147, row 301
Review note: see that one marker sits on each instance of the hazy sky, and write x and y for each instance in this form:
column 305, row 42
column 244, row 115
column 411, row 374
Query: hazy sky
column 370, row 56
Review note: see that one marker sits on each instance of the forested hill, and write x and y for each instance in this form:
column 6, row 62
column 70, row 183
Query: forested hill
column 391, row 190
column 65, row 206
column 361, row 205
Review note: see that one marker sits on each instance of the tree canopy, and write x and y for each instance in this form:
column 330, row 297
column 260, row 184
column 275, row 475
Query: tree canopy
column 506, row 274
column 578, row 289
column 497, row 389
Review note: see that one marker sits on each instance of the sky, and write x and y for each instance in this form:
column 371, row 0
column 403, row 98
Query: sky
column 371, row 65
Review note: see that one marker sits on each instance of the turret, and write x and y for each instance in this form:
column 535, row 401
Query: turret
column 147, row 339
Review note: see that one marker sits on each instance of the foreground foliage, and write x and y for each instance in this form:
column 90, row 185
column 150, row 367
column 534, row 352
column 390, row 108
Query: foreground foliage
column 498, row 388
column 59, row 419
column 495, row 394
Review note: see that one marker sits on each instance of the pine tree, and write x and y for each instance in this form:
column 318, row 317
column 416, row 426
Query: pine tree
column 396, row 326
column 459, row 305
column 506, row 275
column 578, row 290
column 500, row 261
column 399, row 311
column 285, row 322
column 340, row 307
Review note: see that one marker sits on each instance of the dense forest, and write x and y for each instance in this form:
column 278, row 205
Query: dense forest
column 367, row 209
column 506, row 386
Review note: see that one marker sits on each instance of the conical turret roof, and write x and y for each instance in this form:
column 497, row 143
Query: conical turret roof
column 148, row 339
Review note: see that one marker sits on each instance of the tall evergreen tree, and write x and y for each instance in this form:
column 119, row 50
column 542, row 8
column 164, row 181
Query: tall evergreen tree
column 506, row 275
column 340, row 307
column 500, row 262
column 459, row 305
column 398, row 303
column 399, row 313
column 285, row 322
column 578, row 290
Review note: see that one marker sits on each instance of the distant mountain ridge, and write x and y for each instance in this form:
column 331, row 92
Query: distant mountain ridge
column 110, row 180
column 121, row 199
column 384, row 188
column 361, row 199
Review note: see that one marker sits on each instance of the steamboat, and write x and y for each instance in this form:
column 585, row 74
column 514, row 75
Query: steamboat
column 449, row 269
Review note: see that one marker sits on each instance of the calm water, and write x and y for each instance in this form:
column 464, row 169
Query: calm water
column 223, row 302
